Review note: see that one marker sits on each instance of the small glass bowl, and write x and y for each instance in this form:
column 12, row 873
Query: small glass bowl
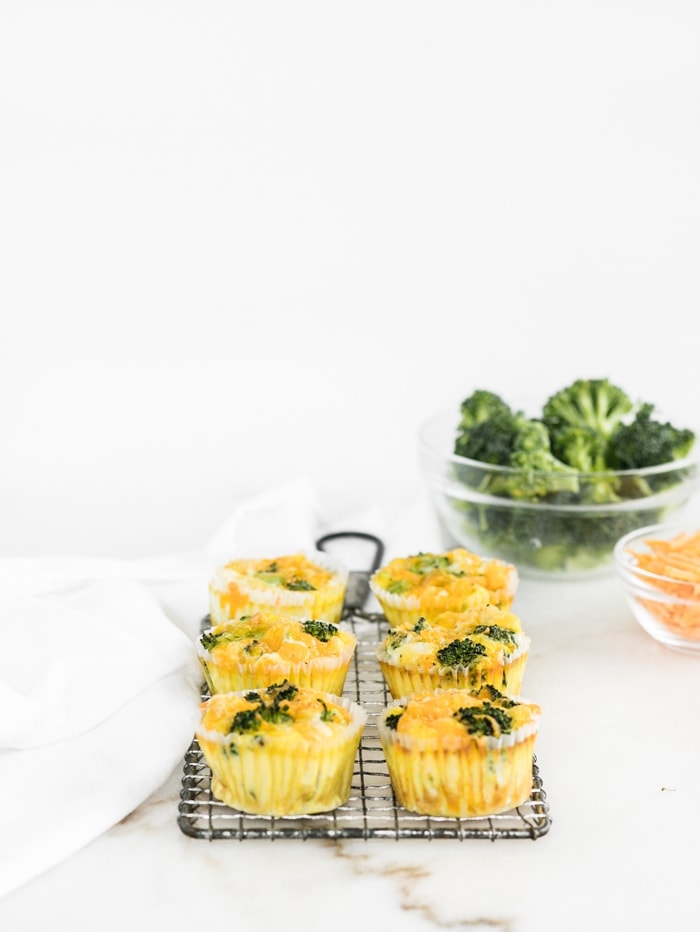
column 563, row 534
column 666, row 607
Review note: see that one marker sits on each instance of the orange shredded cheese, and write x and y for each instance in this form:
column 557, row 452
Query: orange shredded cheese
column 675, row 564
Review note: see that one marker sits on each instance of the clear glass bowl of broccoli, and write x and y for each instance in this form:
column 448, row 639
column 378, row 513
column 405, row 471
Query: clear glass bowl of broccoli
column 554, row 492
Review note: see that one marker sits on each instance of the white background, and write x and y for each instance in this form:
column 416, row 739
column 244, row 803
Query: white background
column 242, row 242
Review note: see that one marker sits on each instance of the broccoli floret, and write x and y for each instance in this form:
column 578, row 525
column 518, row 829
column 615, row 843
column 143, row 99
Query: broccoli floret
column 209, row 640
column 581, row 418
column 489, row 441
column 245, row 721
column 299, row 585
column 281, row 692
column 268, row 708
column 480, row 721
column 272, row 577
column 540, row 473
column 497, row 633
column 531, row 437
column 460, row 653
column 321, row 630
column 396, row 638
column 495, row 434
column 480, row 406
column 581, row 447
column 646, row 441
column 495, row 695
column 584, row 448
column 392, row 720
column 594, row 403
column 425, row 563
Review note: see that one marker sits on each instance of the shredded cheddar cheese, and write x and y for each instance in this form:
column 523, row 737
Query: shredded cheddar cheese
column 674, row 565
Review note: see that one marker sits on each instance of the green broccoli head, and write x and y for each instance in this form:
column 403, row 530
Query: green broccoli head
column 540, row 473
column 531, row 436
column 584, row 449
column 486, row 720
column 594, row 403
column 510, row 438
column 646, row 441
column 321, row 630
column 489, row 441
column 581, row 447
column 460, row 653
column 480, row 406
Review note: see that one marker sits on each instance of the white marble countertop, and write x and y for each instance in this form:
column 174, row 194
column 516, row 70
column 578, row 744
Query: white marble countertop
column 619, row 758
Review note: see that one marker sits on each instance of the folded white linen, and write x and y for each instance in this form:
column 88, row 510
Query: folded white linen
column 65, row 794
column 70, row 658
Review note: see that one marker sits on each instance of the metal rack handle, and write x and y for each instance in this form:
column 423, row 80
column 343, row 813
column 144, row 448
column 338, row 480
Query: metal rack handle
column 358, row 580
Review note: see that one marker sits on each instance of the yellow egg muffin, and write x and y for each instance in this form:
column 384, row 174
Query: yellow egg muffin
column 464, row 650
column 425, row 584
column 267, row 647
column 459, row 754
column 282, row 750
column 310, row 584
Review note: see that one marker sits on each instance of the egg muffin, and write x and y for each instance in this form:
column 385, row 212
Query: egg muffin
column 425, row 584
column 459, row 754
column 309, row 584
column 267, row 647
column 281, row 750
column 464, row 650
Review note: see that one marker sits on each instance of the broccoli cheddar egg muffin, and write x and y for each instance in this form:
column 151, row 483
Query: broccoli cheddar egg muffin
column 425, row 584
column 460, row 754
column 310, row 584
column 282, row 750
column 267, row 647
column 464, row 650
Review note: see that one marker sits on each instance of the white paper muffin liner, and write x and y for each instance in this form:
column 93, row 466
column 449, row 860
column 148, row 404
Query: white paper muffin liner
column 404, row 611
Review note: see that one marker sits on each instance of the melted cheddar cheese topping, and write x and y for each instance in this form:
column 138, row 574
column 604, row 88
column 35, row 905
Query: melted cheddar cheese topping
column 285, row 713
column 456, row 570
column 456, row 640
column 309, row 580
column 459, row 715
column 295, row 572
column 265, row 637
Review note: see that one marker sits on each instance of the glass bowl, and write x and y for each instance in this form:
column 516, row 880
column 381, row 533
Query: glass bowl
column 666, row 600
column 562, row 534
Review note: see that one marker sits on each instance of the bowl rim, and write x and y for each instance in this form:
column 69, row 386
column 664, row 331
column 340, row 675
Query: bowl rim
column 692, row 459
column 629, row 570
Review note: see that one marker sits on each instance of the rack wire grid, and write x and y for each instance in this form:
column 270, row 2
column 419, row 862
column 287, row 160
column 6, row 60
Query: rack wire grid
column 371, row 810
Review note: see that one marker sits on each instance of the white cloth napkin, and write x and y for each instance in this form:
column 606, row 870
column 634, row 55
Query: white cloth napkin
column 99, row 681
column 69, row 659
column 98, row 699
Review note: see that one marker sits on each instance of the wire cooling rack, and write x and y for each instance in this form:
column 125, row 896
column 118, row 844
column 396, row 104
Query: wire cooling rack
column 371, row 810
